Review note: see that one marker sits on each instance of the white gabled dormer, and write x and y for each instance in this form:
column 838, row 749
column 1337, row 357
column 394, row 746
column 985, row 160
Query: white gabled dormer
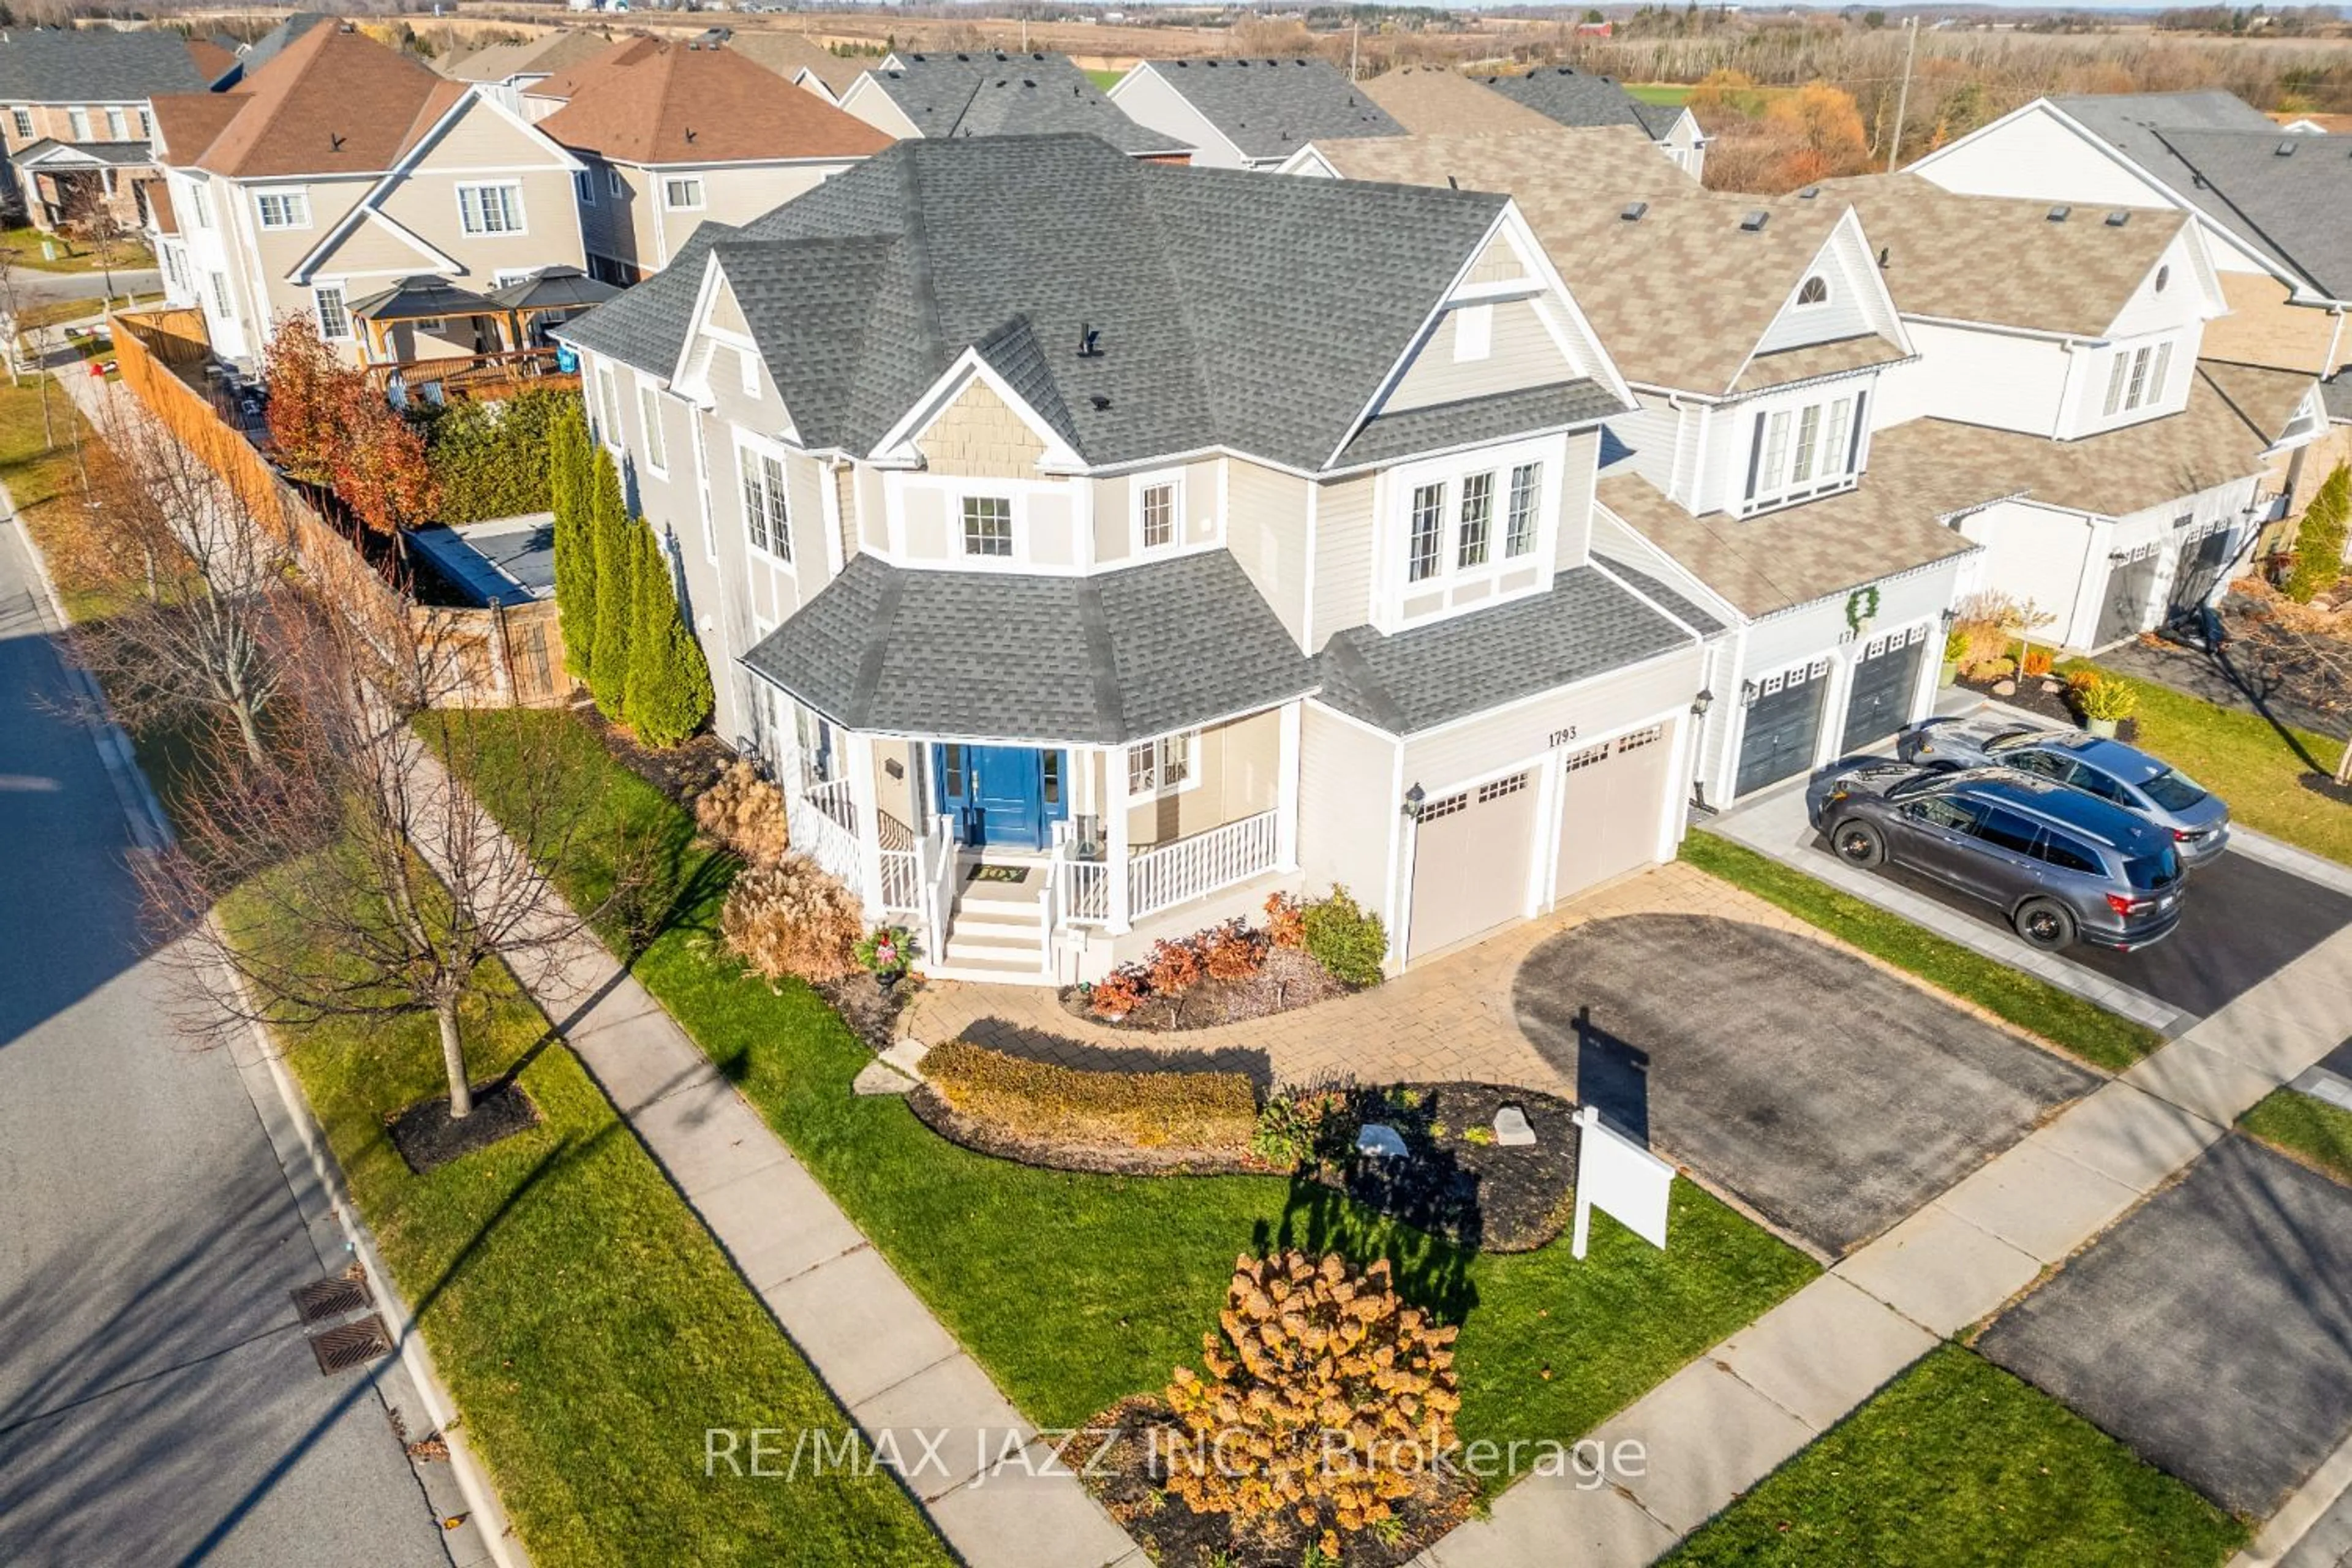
column 1488, row 522
column 1839, row 295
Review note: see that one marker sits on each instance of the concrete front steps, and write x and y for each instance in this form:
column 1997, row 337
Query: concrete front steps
column 996, row 932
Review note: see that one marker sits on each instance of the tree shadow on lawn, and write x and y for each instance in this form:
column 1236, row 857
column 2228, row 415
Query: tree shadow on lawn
column 1430, row 1272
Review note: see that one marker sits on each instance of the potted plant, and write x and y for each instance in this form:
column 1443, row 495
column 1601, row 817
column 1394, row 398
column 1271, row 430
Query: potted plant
column 2104, row 703
column 1955, row 648
column 885, row 953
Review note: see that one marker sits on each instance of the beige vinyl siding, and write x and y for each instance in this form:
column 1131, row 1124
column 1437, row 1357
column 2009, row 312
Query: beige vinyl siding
column 1343, row 557
column 1483, row 746
column 1266, row 529
column 426, row 204
column 1114, row 529
column 484, row 139
column 369, row 250
column 1236, row 766
column 1521, row 354
column 1051, row 520
column 1346, row 820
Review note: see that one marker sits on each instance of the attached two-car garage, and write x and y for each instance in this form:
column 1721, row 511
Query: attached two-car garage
column 1483, row 856
column 1780, row 735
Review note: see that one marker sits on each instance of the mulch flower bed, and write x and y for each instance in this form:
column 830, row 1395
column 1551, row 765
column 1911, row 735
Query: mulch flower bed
column 1288, row 979
column 1456, row 1182
column 871, row 1012
column 1091, row 1159
column 2032, row 696
column 427, row 1138
column 1129, row 1477
column 681, row 772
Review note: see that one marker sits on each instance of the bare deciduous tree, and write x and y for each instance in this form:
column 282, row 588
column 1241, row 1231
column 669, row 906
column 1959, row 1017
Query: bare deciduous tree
column 349, row 875
column 198, row 572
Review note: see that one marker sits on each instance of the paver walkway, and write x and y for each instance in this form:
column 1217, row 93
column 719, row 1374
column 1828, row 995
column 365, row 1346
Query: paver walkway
column 1449, row 1018
column 1729, row 1418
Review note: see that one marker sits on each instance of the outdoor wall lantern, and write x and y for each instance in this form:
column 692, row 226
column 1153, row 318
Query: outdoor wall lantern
column 1702, row 702
column 1413, row 801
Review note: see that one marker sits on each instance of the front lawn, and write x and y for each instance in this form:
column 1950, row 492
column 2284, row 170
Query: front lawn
column 2063, row 1018
column 24, row 246
column 588, row 1325
column 1075, row 1291
column 2267, row 777
column 1958, row 1464
column 2305, row 1129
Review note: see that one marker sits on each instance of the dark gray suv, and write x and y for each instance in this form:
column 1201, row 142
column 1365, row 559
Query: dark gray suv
column 2063, row 865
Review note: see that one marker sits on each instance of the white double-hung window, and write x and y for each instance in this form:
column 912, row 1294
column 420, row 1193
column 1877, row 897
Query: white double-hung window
column 767, row 518
column 334, row 316
column 649, row 415
column 1479, row 517
column 1803, row 450
column 682, row 194
column 282, row 209
column 1159, row 502
column 2136, row 378
column 491, row 209
column 988, row 526
column 1160, row 767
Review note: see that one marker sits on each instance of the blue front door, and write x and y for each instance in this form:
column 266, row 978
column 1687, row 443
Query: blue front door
column 1005, row 796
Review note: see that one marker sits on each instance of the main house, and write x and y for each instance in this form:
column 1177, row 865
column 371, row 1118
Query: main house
column 340, row 169
column 1093, row 547
column 998, row 94
column 1248, row 113
column 671, row 134
column 74, row 119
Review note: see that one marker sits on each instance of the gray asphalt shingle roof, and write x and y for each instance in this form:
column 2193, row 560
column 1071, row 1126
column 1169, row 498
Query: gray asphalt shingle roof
column 1413, row 680
column 1271, row 108
column 1668, row 599
column 1253, row 312
column 1102, row 660
column 2220, row 156
column 46, row 65
column 2336, row 392
column 121, row 154
column 1473, row 421
column 1574, row 97
column 1012, row 95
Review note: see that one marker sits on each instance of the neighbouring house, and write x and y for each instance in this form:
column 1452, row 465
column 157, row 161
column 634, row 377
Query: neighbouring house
column 1434, row 100
column 672, row 134
column 800, row 60
column 523, row 66
column 1249, row 113
column 994, row 94
column 1552, row 163
column 342, row 168
column 1156, row 538
column 1568, row 96
column 2274, row 205
column 75, row 123
column 2077, row 375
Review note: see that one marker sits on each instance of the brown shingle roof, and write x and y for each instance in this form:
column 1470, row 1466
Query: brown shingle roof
column 543, row 55
column 1802, row 553
column 333, row 101
column 2266, row 398
column 213, row 62
column 1985, row 259
column 1616, row 159
column 186, row 122
column 1435, row 102
column 788, row 53
column 1784, row 366
column 650, row 101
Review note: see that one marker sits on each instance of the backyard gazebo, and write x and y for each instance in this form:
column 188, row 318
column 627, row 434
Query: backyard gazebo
column 421, row 298
column 546, row 299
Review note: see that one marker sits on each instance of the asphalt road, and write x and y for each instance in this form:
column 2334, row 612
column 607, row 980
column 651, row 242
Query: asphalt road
column 158, row 1403
column 40, row 287
column 1830, row 1095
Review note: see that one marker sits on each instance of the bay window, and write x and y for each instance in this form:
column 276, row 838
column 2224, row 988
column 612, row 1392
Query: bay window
column 1450, row 521
column 1801, row 452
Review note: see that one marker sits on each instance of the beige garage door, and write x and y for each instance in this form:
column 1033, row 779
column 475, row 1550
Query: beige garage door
column 1470, row 861
column 1610, row 800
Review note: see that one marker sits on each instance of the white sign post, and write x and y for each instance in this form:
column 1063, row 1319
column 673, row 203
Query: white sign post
column 1617, row 1174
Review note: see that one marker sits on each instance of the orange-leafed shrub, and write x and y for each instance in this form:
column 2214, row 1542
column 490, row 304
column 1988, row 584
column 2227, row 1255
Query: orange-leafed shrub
column 792, row 918
column 1175, row 967
column 2038, row 661
column 1286, row 920
column 1232, row 951
column 1116, row 994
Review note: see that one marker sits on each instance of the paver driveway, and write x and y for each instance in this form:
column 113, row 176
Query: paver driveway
column 2211, row 1330
column 1831, row 1096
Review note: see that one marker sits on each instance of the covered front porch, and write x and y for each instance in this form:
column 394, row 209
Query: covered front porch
column 1040, row 863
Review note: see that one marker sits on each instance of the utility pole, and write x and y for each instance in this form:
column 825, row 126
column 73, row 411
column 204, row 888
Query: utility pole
column 1903, row 99
column 1355, row 32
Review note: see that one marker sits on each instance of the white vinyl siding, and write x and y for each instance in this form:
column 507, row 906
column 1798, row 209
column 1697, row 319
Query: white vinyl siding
column 657, row 453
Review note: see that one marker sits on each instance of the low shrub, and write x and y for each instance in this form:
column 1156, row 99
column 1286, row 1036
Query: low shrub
column 1992, row 670
column 1295, row 1130
column 489, row 457
column 791, row 917
column 1343, row 939
column 1232, row 951
column 2100, row 698
column 1286, row 921
column 1116, row 994
column 2037, row 662
column 745, row 813
column 1208, row 1110
column 1175, row 967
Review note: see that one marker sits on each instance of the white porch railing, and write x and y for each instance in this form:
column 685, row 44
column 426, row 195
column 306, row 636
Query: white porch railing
column 1086, row 890
column 1195, row 866
column 824, row 826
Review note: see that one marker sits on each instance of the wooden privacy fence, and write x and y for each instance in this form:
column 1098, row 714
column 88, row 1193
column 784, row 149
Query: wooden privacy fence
column 503, row 657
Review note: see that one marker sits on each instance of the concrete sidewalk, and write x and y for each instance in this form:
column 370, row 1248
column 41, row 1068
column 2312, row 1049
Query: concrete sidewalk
column 988, row 1479
column 1728, row 1419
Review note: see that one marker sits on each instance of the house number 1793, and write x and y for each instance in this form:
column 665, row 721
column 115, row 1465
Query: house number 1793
column 1561, row 737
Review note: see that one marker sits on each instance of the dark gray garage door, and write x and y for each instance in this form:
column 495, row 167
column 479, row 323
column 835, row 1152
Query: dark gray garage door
column 2198, row 567
column 2131, row 585
column 1782, row 723
column 1883, row 684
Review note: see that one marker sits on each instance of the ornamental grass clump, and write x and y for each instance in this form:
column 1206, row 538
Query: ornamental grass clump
column 745, row 813
column 792, row 918
column 1328, row 1400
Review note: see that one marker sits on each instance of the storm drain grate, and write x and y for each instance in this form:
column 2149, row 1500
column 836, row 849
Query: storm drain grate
column 324, row 1299
column 352, row 1344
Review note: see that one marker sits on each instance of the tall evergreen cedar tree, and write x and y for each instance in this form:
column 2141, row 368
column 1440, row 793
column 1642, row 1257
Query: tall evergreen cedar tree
column 571, row 484
column 608, row 663
column 2319, row 539
column 669, row 681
